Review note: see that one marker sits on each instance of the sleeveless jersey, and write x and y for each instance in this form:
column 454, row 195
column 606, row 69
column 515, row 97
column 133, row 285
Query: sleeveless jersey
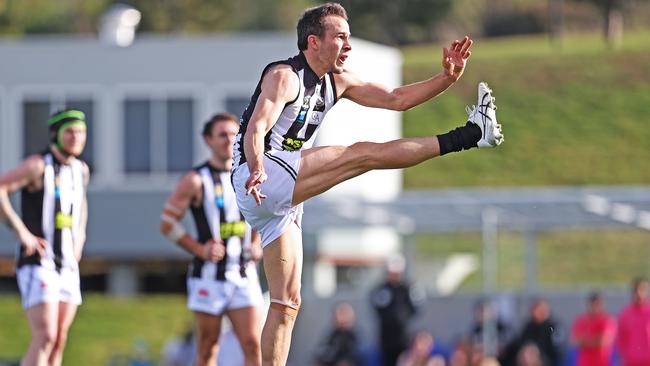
column 296, row 127
column 54, row 213
column 218, row 217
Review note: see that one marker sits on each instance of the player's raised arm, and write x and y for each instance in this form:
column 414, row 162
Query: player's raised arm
column 279, row 86
column 454, row 60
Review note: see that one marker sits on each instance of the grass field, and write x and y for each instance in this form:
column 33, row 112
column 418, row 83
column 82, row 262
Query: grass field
column 104, row 327
column 575, row 115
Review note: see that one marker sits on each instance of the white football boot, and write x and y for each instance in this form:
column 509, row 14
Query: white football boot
column 484, row 116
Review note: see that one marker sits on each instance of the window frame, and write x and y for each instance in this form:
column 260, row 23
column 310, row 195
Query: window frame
column 55, row 94
column 157, row 177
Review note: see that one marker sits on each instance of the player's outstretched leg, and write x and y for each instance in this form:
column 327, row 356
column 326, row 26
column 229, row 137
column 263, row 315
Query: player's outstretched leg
column 322, row 168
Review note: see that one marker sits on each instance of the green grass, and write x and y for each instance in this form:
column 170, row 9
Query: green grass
column 575, row 115
column 104, row 327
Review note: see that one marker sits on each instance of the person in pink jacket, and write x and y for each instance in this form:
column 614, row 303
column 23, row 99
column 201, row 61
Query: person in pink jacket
column 634, row 327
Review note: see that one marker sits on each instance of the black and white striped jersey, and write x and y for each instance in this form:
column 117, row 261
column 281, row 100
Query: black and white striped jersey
column 54, row 213
column 218, row 217
column 300, row 119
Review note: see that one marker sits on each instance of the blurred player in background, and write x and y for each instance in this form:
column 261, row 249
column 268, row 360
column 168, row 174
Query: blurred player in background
column 52, row 233
column 222, row 278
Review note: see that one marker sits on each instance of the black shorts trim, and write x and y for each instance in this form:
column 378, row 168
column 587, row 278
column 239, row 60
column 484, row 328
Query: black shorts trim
column 283, row 164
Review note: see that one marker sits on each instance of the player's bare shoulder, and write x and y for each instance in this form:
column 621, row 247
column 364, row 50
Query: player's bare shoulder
column 190, row 182
column 281, row 79
column 31, row 171
column 190, row 187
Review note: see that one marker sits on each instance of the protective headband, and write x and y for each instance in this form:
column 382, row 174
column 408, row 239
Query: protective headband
column 59, row 121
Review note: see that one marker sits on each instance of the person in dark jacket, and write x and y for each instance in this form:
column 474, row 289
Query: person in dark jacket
column 341, row 346
column 395, row 308
column 542, row 331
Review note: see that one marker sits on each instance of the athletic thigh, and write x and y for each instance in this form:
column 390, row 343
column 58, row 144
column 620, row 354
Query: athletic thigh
column 246, row 323
column 67, row 312
column 321, row 168
column 208, row 327
column 283, row 265
column 43, row 319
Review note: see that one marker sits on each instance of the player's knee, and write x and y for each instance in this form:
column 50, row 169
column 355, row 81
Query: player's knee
column 46, row 339
column 207, row 342
column 287, row 307
column 250, row 345
column 365, row 154
column 206, row 351
column 60, row 340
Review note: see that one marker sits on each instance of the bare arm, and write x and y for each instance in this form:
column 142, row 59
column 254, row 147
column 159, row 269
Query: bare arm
column 26, row 173
column 256, row 246
column 83, row 222
column 175, row 208
column 279, row 86
column 402, row 98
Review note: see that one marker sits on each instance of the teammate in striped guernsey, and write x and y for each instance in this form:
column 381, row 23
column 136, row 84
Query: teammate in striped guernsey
column 275, row 168
column 222, row 278
column 52, row 232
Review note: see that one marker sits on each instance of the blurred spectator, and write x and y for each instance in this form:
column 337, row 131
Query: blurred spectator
column 420, row 352
column 341, row 346
column 540, row 330
column 634, row 327
column 489, row 361
column 395, row 308
column 179, row 351
column 593, row 333
column 484, row 312
column 462, row 353
column 467, row 353
column 529, row 355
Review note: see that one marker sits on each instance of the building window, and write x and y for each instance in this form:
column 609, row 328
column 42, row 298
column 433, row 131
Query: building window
column 179, row 134
column 137, row 135
column 158, row 135
column 36, row 135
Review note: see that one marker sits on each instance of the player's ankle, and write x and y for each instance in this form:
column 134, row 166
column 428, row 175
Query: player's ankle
column 460, row 138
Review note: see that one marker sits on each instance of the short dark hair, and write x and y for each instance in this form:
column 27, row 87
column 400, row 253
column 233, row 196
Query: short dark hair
column 219, row 117
column 594, row 296
column 311, row 21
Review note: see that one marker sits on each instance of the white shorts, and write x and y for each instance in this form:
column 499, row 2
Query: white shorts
column 275, row 213
column 216, row 297
column 42, row 285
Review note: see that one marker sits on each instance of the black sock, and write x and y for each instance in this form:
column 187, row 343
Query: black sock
column 460, row 138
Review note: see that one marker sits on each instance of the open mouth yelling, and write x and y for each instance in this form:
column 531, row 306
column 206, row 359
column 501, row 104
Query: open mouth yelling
column 341, row 59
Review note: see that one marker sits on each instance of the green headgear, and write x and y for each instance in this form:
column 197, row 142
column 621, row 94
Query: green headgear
column 61, row 120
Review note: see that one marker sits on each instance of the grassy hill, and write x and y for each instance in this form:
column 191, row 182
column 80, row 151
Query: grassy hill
column 572, row 115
